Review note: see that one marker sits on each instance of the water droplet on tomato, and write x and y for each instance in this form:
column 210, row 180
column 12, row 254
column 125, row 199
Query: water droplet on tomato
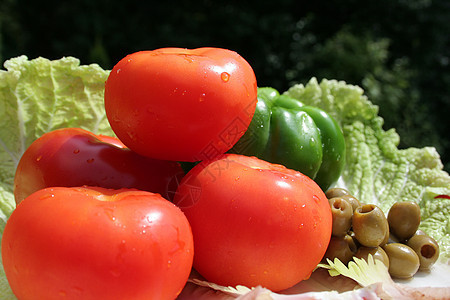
column 225, row 76
column 237, row 178
column 110, row 213
column 118, row 71
column 39, row 158
column 153, row 217
column 90, row 160
column 316, row 217
column 179, row 245
column 188, row 58
column 76, row 151
column 317, row 220
column 316, row 199
column 46, row 196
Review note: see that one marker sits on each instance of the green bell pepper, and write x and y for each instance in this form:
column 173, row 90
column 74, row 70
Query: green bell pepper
column 300, row 137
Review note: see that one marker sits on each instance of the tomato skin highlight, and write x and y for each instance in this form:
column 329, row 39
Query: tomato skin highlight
column 111, row 140
column 254, row 223
column 73, row 157
column 93, row 243
column 181, row 104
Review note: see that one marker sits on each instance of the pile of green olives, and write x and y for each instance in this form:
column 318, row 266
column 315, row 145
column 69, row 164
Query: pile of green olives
column 361, row 229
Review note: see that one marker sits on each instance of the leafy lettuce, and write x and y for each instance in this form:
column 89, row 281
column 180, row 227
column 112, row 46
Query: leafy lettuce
column 39, row 95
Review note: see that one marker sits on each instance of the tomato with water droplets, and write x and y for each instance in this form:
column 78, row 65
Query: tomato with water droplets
column 74, row 157
column 253, row 222
column 181, row 104
column 95, row 243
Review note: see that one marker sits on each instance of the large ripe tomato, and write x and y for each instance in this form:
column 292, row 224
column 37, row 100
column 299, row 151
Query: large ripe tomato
column 75, row 157
column 254, row 223
column 181, row 104
column 93, row 243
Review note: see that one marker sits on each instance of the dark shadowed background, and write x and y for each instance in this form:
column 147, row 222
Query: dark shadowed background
column 397, row 50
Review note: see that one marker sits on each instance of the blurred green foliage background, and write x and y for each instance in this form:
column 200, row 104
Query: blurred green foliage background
column 397, row 50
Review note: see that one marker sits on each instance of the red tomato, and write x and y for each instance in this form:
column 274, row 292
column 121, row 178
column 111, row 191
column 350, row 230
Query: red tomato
column 93, row 243
column 254, row 223
column 111, row 140
column 75, row 157
column 181, row 104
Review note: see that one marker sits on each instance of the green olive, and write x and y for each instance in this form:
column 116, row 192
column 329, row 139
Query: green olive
column 404, row 219
column 370, row 225
column 351, row 242
column 352, row 200
column 339, row 247
column 392, row 239
column 386, row 237
column 336, row 192
column 426, row 248
column 342, row 213
column 403, row 261
column 377, row 253
column 420, row 232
